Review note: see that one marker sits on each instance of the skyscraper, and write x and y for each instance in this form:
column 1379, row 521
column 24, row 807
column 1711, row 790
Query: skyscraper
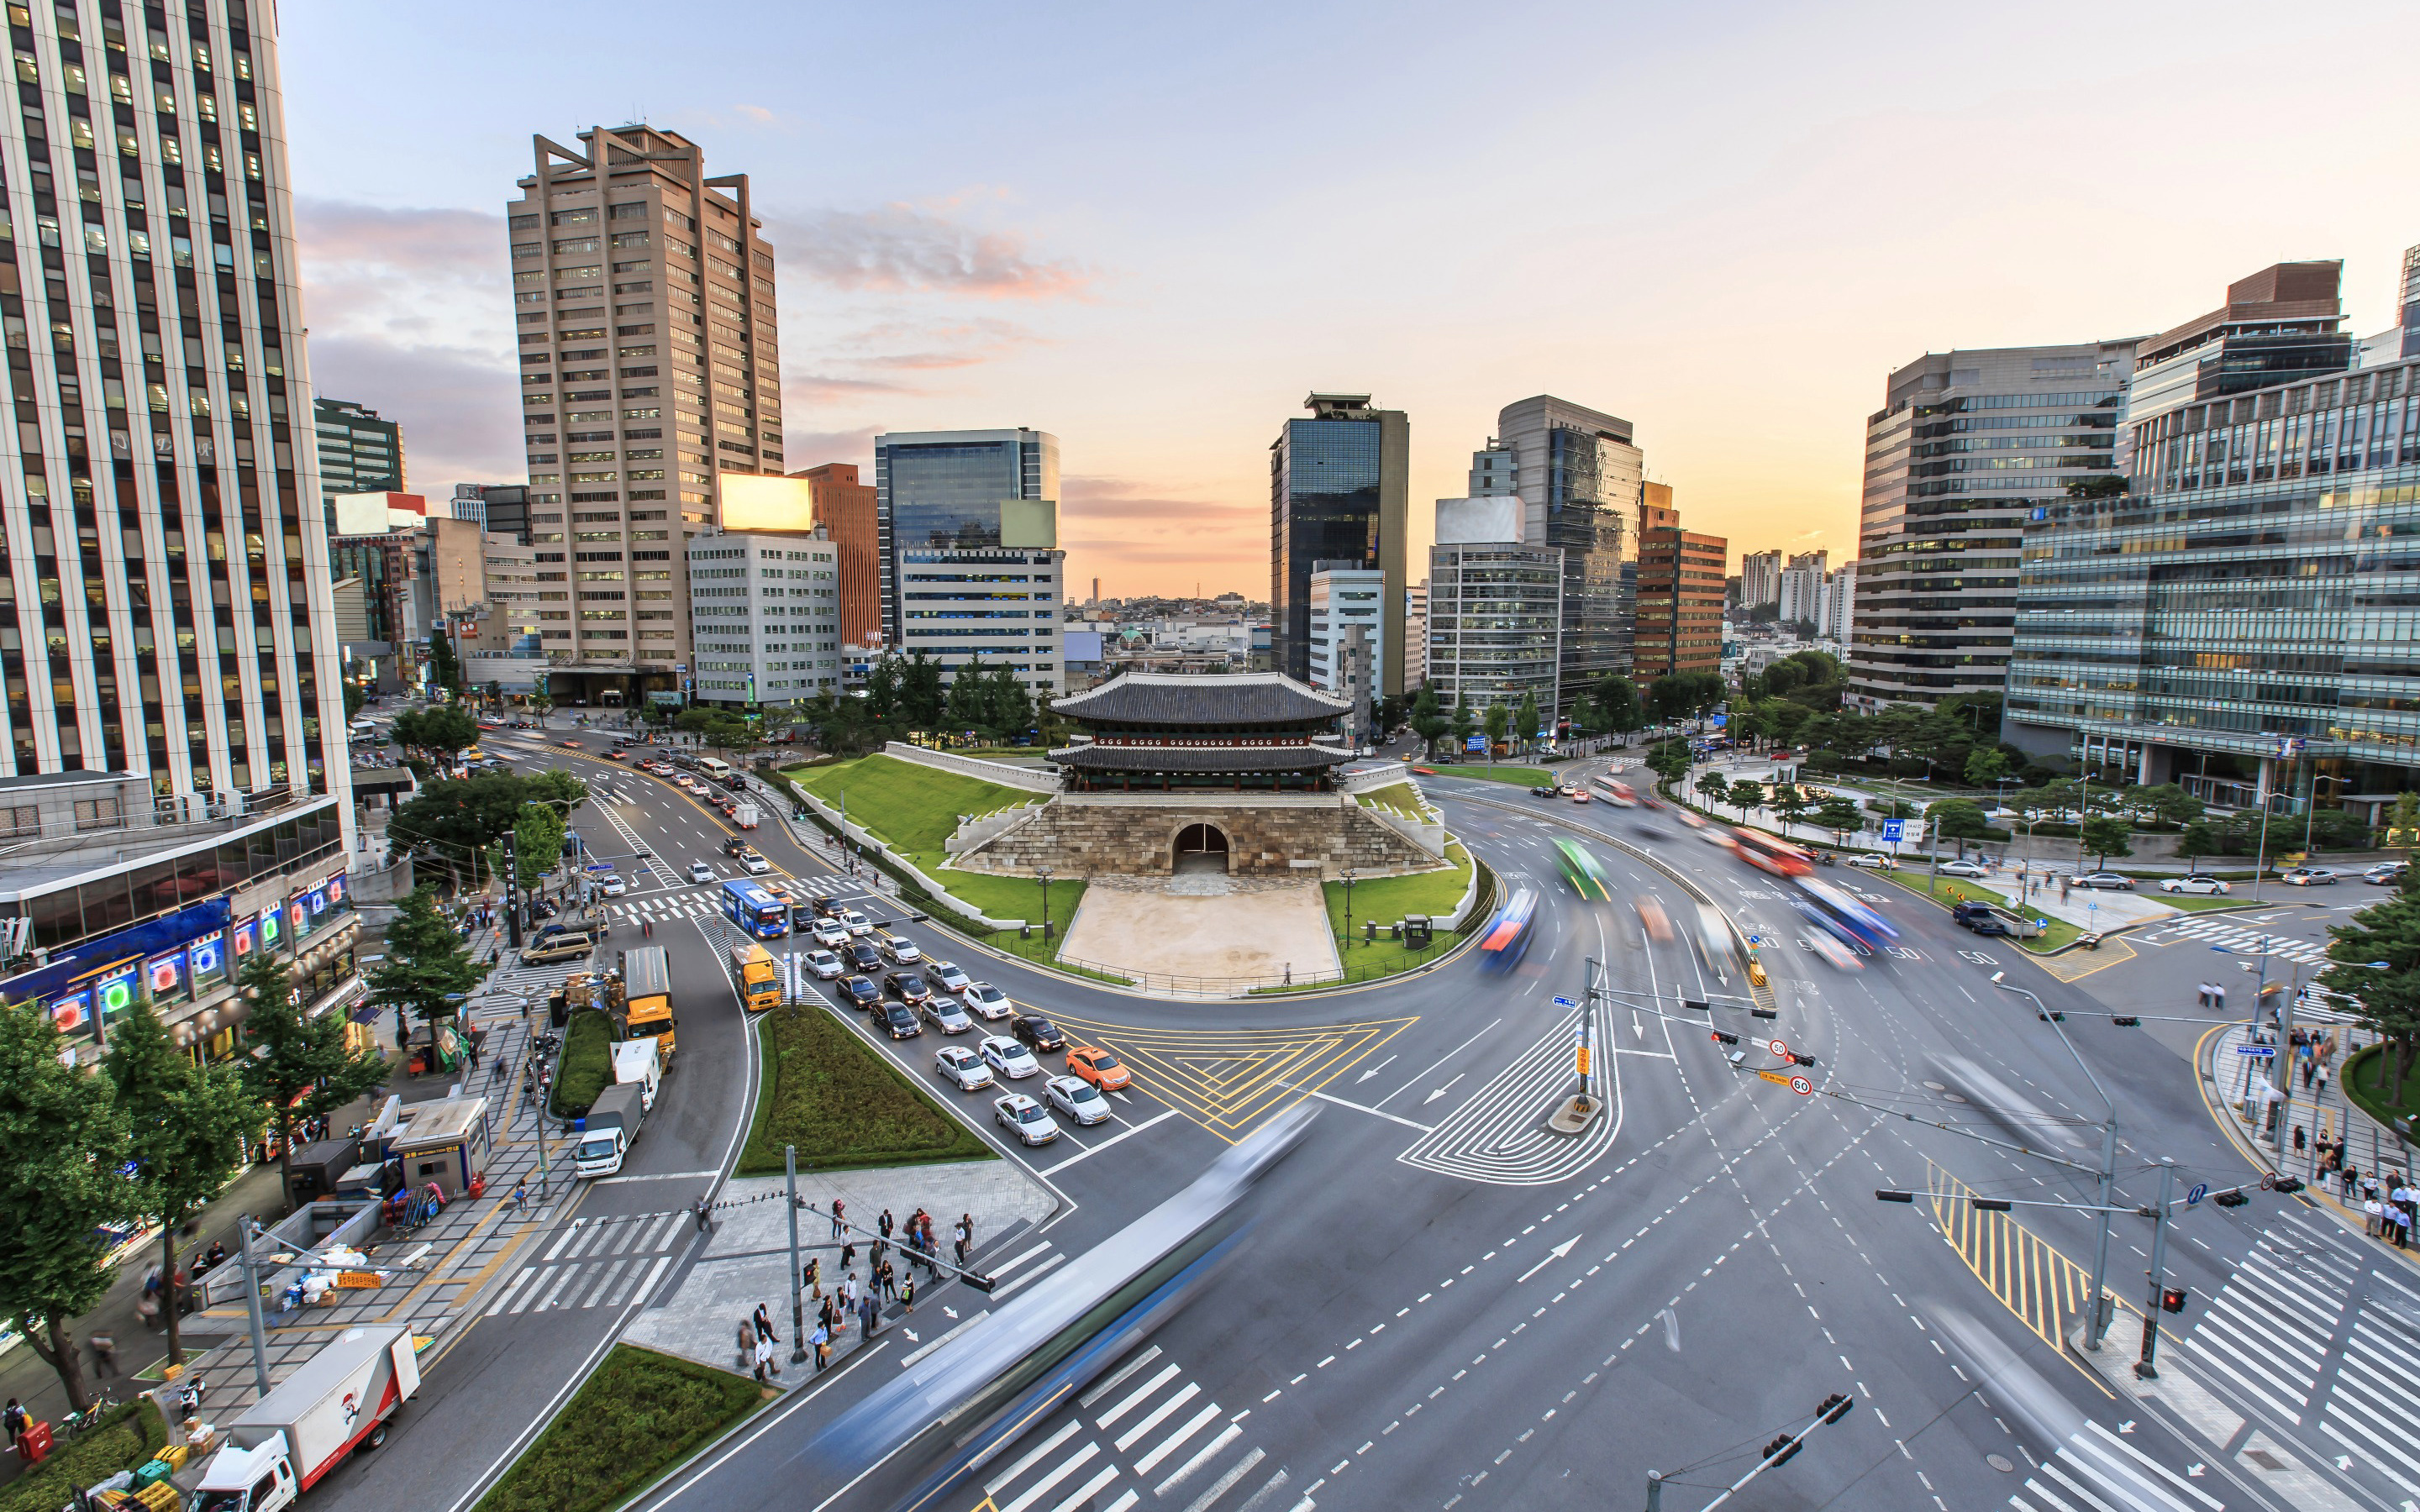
column 1494, row 607
column 1680, row 593
column 174, row 780
column 1579, row 478
column 850, row 512
column 1338, row 486
column 643, row 291
column 968, row 523
column 358, row 452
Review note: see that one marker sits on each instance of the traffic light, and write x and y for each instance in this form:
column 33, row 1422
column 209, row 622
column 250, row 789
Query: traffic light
column 2126, row 1022
column 2172, row 1299
column 1801, row 1058
column 1835, row 1407
column 1886, row 1195
column 1762, row 1014
column 981, row 1283
column 1779, row 1450
column 2231, row 1199
column 2047, row 1017
column 1720, row 1038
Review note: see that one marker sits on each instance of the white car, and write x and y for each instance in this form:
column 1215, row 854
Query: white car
column 1024, row 1118
column 754, row 865
column 901, row 950
column 963, row 1067
column 1007, row 1057
column 828, row 932
column 700, row 871
column 987, row 1000
column 950, row 978
column 855, row 922
column 2310, row 876
column 824, row 965
column 1875, row 861
column 945, row 1015
column 2203, row 886
column 611, row 886
column 1078, row 1099
column 1964, row 869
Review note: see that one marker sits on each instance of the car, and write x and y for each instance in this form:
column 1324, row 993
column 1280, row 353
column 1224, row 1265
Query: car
column 569, row 945
column 2387, row 874
column 822, row 904
column 1964, row 869
column 986, row 1000
column 2311, row 876
column 825, row 965
column 568, row 745
column 862, row 957
column 2203, row 886
column 900, row 1020
column 901, row 949
column 944, row 1015
column 1080, row 1100
column 1579, row 795
column 948, row 975
column 1007, row 1057
column 737, row 848
column 1424, row 771
column 855, row 922
column 1874, row 861
column 907, row 986
column 700, row 871
column 1037, row 1032
column 617, row 755
column 2106, row 882
column 1024, row 1118
column 778, row 888
column 1097, row 1066
column 861, row 991
column 962, row 1067
column 611, row 886
column 754, row 865
column 1545, row 790
column 828, row 933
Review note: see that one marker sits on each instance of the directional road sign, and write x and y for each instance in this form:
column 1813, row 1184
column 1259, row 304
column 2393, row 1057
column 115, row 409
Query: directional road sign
column 1567, row 1002
column 1894, row 830
column 2260, row 1052
column 1776, row 1078
column 2199, row 1191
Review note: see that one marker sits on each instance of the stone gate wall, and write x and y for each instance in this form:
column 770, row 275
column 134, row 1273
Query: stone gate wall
column 1134, row 835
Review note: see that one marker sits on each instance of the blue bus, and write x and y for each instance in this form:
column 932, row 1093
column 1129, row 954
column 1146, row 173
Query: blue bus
column 1843, row 915
column 1507, row 938
column 755, row 910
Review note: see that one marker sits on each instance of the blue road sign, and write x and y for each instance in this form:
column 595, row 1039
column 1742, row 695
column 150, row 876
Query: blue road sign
column 1567, row 1002
column 1475, row 742
column 1894, row 830
column 2259, row 1052
column 2200, row 1190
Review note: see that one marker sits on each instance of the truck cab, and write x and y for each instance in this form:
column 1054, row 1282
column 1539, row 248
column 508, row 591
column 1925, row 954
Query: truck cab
column 262, row 1480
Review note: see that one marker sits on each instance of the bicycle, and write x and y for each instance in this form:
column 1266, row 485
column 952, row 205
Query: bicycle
column 86, row 1421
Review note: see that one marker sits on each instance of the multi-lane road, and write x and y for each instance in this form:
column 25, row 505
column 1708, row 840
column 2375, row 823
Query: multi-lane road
column 1444, row 1305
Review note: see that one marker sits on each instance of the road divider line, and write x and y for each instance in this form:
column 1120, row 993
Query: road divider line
column 664, row 1176
column 1031, row 1276
column 1129, row 1131
column 1362, row 1107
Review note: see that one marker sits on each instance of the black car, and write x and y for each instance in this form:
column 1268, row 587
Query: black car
column 862, row 957
column 1037, row 1032
column 900, row 1020
column 735, row 846
column 907, row 986
column 1545, row 790
column 544, row 909
column 861, row 991
column 822, row 905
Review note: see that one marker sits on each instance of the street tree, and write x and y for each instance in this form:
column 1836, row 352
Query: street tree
column 2104, row 835
column 1668, row 760
column 63, row 1146
column 1840, row 816
column 1957, row 819
column 1985, row 767
column 2389, row 999
column 538, row 843
column 1712, row 787
column 426, row 965
column 1465, row 723
column 1744, row 796
column 921, row 694
column 2403, row 818
column 1790, row 802
column 190, row 1125
column 444, row 732
column 1524, row 718
column 1616, row 697
column 1428, row 720
column 445, row 666
column 1499, row 723
column 556, row 788
column 300, row 1066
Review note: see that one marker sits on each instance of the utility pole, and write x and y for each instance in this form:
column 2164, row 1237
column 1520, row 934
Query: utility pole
column 798, row 1305
column 1933, row 876
column 2097, row 1319
column 2143, row 1367
column 251, row 1307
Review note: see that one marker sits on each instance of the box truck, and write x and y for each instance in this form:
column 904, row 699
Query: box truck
column 638, row 1062
column 612, row 1124
column 646, row 999
column 340, row 1400
column 760, row 977
column 746, row 815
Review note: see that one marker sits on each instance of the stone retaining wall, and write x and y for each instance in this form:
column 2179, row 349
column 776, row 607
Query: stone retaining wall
column 1092, row 835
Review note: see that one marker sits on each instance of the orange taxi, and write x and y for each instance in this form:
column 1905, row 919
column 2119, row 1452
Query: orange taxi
column 1091, row 1063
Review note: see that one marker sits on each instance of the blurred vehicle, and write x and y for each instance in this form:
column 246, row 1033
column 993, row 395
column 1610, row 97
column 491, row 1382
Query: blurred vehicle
column 2203, row 887
column 2113, row 882
column 1967, row 868
column 1874, row 861
column 2387, row 874
column 1506, row 939
column 1580, row 869
column 1833, row 953
column 1771, row 853
column 1715, row 940
column 2303, row 876
column 1613, row 791
column 1653, row 919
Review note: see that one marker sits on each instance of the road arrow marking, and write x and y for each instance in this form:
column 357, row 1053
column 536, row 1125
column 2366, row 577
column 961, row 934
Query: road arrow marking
column 911, row 1335
column 2127, row 1427
column 1553, row 1254
column 1440, row 1091
column 951, row 1313
column 1374, row 1070
column 2194, row 1469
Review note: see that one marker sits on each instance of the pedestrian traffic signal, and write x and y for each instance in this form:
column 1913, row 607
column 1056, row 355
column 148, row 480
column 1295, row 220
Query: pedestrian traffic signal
column 981, row 1283
column 1779, row 1450
column 2172, row 1299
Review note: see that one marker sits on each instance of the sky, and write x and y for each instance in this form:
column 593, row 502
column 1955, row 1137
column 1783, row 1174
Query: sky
column 1152, row 230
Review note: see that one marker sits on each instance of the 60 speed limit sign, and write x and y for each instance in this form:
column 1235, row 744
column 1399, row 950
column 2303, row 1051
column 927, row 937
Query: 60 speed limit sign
column 1801, row 1086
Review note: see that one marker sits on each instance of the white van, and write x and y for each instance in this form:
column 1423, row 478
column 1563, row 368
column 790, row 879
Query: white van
column 364, row 727
column 714, row 767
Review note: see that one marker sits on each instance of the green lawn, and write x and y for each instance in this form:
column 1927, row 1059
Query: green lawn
column 844, row 1105
column 1949, row 890
column 1526, row 776
column 1396, row 797
column 2365, row 1079
column 1388, row 899
column 128, row 1434
column 638, row 1416
column 909, row 807
column 999, row 897
column 587, row 1066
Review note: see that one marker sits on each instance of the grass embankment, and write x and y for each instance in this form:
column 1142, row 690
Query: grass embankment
column 845, row 1107
column 1949, row 890
column 1387, row 900
column 638, row 1416
column 2365, row 1081
column 128, row 1434
column 914, row 809
column 1399, row 798
column 587, row 1066
column 1525, row 777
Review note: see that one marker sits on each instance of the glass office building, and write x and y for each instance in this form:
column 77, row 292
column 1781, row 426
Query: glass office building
column 975, row 490
column 1495, row 622
column 1580, row 480
column 1336, row 497
column 2242, row 619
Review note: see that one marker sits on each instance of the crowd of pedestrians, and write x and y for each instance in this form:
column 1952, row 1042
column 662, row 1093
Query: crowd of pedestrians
column 895, row 1253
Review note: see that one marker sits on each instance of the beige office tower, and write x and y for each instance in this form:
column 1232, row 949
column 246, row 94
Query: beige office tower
column 642, row 295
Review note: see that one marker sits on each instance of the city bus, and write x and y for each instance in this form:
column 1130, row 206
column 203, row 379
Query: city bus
column 1767, row 854
column 1611, row 790
column 714, row 767
column 1580, row 869
column 1507, row 938
column 755, row 910
column 1842, row 915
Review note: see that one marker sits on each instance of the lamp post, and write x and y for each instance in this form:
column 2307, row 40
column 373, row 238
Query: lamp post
column 1044, row 873
column 2095, row 1318
column 2311, row 807
column 1348, row 874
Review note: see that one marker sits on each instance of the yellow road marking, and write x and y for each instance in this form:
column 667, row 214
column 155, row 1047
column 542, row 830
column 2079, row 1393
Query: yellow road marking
column 1228, row 1080
column 2078, row 964
column 2030, row 1277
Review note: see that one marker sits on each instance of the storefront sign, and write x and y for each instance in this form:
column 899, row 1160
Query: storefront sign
column 206, row 962
column 115, row 994
column 166, row 974
column 272, row 928
column 72, row 1013
column 247, row 938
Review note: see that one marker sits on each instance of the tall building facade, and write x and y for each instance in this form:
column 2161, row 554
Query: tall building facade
column 1339, row 486
column 765, row 613
column 1415, row 636
column 1495, row 608
column 1837, row 609
column 174, row 780
column 642, row 296
column 850, row 512
column 1344, row 598
column 968, row 538
column 358, row 452
column 2237, row 621
column 1801, row 597
column 1580, row 481
column 1681, row 593
column 1759, row 580
column 1967, row 446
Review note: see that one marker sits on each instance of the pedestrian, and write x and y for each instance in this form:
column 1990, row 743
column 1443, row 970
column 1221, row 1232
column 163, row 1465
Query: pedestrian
column 2373, row 1212
column 967, row 1227
column 2323, row 1079
column 2297, row 1139
column 884, row 1282
column 764, row 1324
column 958, row 1241
column 884, row 1222
column 520, row 1194
column 701, row 1212
column 847, row 1254
column 812, row 1278
column 104, row 1354
column 868, row 1314
column 840, row 1211
column 148, row 1308
column 14, row 1419
column 821, row 1339
column 748, row 1348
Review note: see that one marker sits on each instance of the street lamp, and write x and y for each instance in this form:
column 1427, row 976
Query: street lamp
column 1348, row 876
column 2311, row 807
column 2095, row 1324
column 1044, row 873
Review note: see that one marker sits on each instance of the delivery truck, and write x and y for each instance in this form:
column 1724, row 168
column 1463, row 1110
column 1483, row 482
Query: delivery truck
column 637, row 1062
column 746, row 815
column 644, row 996
column 760, row 977
column 340, row 1400
column 612, row 1126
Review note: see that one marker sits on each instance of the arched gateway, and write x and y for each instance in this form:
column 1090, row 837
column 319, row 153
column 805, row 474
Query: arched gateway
column 1201, row 848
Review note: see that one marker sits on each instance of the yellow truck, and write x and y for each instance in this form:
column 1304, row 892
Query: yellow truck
column 646, row 994
column 759, row 978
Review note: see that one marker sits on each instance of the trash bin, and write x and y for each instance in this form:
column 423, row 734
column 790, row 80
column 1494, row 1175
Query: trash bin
column 33, row 1445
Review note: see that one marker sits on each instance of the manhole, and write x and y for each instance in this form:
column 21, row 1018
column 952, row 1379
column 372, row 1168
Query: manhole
column 1999, row 1462
column 1935, row 1087
column 2264, row 1460
column 1951, row 1097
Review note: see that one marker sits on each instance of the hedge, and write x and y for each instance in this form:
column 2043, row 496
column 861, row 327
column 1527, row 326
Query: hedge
column 841, row 1103
column 588, row 1065
column 639, row 1415
column 129, row 1433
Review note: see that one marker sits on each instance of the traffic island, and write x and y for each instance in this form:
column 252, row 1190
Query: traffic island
column 826, row 1092
column 1575, row 1114
column 639, row 1415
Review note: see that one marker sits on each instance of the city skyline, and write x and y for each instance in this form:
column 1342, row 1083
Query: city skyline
column 953, row 270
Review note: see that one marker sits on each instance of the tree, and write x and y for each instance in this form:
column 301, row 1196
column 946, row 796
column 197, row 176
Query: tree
column 445, row 666
column 445, row 732
column 1745, row 796
column 2389, row 999
column 921, row 695
column 2404, row 819
column 2171, row 804
column 2105, row 836
column 1465, row 723
column 885, row 688
column 1985, row 767
column 537, row 844
column 1524, row 718
column 1669, row 698
column 62, row 1148
column 1790, row 802
column 2198, row 841
column 1428, row 720
column 1839, row 815
column 190, row 1127
column 1616, row 703
column 1670, row 759
column 1712, row 787
column 355, row 696
column 1956, row 819
column 426, row 963
column 1498, row 722
column 301, row 1065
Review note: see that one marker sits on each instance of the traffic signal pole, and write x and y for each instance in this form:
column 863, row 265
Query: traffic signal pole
column 2144, row 1368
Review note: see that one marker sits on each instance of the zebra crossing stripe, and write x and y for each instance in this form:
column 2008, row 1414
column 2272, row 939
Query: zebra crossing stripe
column 506, row 1295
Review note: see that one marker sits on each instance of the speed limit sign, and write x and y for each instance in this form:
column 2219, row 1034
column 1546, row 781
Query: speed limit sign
column 1801, row 1086
column 1780, row 1049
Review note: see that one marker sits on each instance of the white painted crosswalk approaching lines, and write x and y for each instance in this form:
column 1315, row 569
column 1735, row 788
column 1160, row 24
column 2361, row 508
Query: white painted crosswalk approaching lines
column 2369, row 1415
column 2096, row 1471
column 594, row 1261
column 2247, row 941
column 2267, row 1330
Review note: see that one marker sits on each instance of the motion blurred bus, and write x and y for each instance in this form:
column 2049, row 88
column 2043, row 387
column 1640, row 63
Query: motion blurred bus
column 1507, row 936
column 1767, row 854
column 1614, row 791
column 1580, row 869
column 1843, row 915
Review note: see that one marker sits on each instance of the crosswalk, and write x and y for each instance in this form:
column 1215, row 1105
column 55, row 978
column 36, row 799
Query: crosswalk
column 2235, row 937
column 518, row 981
column 2267, row 1330
column 591, row 1262
column 1144, row 1430
column 2097, row 1469
column 2371, row 1414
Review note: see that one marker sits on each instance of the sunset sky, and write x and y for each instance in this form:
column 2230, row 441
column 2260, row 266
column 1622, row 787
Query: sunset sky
column 1152, row 230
